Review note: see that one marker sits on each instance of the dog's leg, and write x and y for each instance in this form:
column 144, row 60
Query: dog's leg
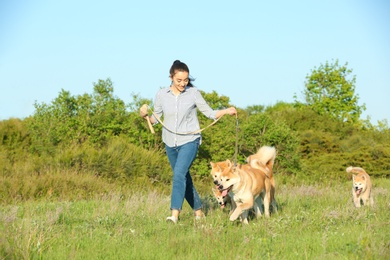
column 273, row 200
column 258, row 205
column 267, row 197
column 364, row 199
column 266, row 205
column 244, row 217
column 367, row 200
column 240, row 208
column 357, row 203
column 236, row 213
column 232, row 205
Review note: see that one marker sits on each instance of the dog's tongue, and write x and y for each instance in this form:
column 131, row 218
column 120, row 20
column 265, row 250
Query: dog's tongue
column 224, row 193
column 358, row 192
column 222, row 206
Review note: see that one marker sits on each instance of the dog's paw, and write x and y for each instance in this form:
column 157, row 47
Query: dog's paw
column 234, row 216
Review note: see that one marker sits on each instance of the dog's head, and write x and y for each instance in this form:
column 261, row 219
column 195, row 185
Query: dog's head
column 359, row 183
column 216, row 171
column 228, row 177
column 221, row 196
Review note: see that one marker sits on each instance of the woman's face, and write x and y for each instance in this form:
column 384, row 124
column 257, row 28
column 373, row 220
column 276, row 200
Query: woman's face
column 179, row 81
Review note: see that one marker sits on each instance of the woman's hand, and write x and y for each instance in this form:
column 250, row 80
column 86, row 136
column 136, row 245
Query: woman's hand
column 143, row 111
column 231, row 111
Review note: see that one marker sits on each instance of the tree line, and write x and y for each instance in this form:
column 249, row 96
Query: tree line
column 100, row 134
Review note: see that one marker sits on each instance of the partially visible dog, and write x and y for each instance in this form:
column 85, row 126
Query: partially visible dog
column 216, row 171
column 223, row 199
column 250, row 186
column 260, row 160
column 361, row 187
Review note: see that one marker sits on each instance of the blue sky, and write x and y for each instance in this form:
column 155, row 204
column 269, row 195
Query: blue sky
column 254, row 52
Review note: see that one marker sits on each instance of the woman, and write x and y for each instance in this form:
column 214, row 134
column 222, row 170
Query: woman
column 178, row 104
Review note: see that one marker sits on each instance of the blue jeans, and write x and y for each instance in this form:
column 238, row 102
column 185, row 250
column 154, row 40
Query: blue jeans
column 181, row 159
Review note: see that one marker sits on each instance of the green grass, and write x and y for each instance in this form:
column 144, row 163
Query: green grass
column 313, row 222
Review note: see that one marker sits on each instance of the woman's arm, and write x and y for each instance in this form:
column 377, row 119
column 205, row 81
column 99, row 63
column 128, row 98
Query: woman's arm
column 230, row 111
column 207, row 110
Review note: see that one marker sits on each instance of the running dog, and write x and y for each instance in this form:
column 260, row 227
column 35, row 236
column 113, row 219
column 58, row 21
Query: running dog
column 361, row 187
column 250, row 186
column 257, row 161
column 223, row 196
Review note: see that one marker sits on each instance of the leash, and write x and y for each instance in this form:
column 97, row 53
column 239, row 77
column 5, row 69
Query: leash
column 197, row 131
column 181, row 133
column 236, row 149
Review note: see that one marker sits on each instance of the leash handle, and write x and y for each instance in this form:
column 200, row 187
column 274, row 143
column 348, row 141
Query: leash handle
column 150, row 125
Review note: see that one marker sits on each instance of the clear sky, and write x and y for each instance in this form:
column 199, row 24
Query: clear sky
column 254, row 52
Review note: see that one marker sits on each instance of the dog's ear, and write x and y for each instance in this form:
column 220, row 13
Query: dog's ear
column 228, row 163
column 212, row 164
column 363, row 177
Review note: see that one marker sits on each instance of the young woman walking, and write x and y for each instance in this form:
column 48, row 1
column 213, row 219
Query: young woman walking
column 178, row 105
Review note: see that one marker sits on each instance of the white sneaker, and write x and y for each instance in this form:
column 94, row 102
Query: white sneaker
column 198, row 218
column 172, row 219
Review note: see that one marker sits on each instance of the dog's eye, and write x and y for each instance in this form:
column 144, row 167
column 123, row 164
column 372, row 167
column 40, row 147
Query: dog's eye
column 227, row 179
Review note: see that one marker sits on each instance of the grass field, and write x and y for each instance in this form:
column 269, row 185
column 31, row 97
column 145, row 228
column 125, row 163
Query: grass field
column 313, row 222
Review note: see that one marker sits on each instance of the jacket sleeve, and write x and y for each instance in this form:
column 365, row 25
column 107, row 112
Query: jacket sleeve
column 203, row 106
column 158, row 107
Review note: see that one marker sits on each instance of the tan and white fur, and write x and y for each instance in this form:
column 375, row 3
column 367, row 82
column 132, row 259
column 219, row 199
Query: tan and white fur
column 361, row 187
column 224, row 199
column 260, row 160
column 250, row 186
column 216, row 171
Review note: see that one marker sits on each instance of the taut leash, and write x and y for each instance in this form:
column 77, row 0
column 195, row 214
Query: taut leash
column 236, row 149
column 197, row 131
column 181, row 133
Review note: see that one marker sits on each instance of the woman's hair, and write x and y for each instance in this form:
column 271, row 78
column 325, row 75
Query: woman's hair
column 181, row 66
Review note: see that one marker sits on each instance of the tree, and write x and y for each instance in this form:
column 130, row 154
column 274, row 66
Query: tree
column 255, row 109
column 330, row 90
column 79, row 118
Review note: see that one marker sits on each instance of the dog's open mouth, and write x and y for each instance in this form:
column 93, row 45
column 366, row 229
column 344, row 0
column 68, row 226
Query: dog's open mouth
column 226, row 191
column 358, row 191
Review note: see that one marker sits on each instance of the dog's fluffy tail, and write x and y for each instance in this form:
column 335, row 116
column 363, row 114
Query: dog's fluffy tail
column 266, row 155
column 263, row 159
column 356, row 170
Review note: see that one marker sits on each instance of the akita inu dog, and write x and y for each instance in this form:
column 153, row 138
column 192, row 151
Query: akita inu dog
column 258, row 161
column 251, row 186
column 223, row 198
column 361, row 187
column 216, row 171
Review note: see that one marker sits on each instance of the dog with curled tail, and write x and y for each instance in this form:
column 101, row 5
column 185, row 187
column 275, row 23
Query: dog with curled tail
column 361, row 187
